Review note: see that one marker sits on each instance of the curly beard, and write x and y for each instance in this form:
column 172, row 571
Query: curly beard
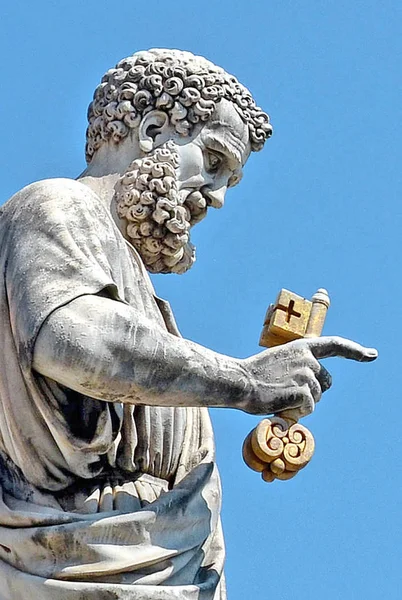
column 158, row 216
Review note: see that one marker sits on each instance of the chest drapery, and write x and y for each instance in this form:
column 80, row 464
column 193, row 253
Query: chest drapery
column 58, row 243
column 153, row 540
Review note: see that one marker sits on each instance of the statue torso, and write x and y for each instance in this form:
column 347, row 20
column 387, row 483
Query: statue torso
column 58, row 243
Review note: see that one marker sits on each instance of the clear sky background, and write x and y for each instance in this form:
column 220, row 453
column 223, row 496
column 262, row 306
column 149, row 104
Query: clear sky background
column 320, row 206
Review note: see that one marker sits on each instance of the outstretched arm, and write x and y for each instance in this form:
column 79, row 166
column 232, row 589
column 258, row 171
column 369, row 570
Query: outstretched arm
column 106, row 350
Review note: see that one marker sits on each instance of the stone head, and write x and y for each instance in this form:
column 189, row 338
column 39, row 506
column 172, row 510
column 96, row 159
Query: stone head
column 178, row 129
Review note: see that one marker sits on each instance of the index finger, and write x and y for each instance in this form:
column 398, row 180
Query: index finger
column 327, row 346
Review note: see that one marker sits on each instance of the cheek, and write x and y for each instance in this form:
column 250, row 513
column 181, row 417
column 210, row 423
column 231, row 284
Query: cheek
column 191, row 163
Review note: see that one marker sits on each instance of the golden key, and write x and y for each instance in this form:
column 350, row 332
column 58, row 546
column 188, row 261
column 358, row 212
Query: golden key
column 279, row 446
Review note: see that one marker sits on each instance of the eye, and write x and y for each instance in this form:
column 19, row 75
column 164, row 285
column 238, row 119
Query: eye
column 214, row 161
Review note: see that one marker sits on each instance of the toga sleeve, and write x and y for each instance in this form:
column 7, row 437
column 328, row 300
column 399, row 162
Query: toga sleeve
column 58, row 242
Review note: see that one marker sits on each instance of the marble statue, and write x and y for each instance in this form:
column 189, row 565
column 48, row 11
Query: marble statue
column 109, row 487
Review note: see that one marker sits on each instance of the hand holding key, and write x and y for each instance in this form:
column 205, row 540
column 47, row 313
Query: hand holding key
column 279, row 447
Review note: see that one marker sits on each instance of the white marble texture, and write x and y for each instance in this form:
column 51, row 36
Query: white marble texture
column 108, row 482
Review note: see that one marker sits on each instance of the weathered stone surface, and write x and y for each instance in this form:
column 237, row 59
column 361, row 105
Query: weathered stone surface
column 109, row 487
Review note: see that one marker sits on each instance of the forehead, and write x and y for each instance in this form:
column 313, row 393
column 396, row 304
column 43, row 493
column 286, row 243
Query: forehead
column 227, row 128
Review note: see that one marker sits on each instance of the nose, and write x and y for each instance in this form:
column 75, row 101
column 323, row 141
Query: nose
column 215, row 198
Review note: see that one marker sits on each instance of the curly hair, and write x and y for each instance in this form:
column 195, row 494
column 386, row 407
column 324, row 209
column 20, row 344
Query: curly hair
column 185, row 86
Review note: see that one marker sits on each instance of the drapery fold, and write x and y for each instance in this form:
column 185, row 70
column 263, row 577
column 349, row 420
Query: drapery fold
column 130, row 511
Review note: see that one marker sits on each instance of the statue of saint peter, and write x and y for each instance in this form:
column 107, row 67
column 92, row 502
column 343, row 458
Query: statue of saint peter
column 108, row 482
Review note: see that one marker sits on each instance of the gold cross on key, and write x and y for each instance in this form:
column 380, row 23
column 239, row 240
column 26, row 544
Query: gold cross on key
column 293, row 317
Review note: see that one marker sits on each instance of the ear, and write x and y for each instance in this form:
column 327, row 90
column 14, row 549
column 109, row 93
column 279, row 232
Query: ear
column 153, row 125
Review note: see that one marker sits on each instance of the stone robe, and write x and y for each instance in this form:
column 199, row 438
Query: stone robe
column 97, row 499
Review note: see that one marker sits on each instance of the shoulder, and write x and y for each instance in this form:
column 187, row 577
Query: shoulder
column 57, row 212
column 56, row 202
column 46, row 193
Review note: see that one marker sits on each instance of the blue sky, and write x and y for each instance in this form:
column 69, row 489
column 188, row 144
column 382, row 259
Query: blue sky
column 320, row 206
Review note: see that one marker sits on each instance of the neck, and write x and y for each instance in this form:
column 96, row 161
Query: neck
column 107, row 165
column 103, row 186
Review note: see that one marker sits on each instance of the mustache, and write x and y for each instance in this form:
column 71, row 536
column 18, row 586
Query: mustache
column 196, row 204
